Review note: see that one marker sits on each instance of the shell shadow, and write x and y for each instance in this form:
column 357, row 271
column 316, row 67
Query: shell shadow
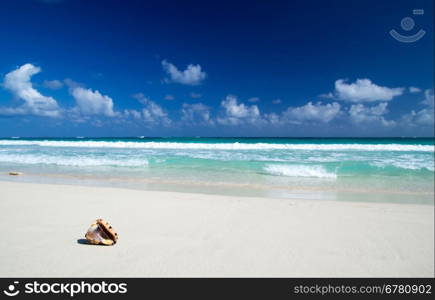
column 83, row 242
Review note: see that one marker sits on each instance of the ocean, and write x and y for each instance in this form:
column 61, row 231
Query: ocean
column 354, row 169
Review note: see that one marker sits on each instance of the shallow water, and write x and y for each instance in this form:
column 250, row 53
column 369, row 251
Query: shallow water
column 397, row 170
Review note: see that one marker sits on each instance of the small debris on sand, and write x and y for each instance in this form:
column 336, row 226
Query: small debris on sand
column 15, row 173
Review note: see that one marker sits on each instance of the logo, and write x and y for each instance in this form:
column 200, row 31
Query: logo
column 408, row 24
column 11, row 291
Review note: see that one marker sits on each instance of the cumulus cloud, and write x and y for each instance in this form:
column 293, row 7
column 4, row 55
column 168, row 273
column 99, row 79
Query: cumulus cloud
column 234, row 109
column 192, row 75
column 18, row 82
column 275, row 119
column 423, row 117
column 152, row 113
column 52, row 84
column 310, row 112
column 428, row 98
column 196, row 113
column 360, row 113
column 132, row 113
column 91, row 102
column 364, row 90
column 237, row 113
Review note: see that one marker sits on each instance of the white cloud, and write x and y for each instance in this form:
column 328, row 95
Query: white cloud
column 234, row 109
column 327, row 96
column 312, row 113
column 72, row 84
column 235, row 113
column 141, row 98
column 423, row 117
column 274, row 119
column 192, row 75
column 277, row 101
column 360, row 113
column 364, row 90
column 169, row 97
column 19, row 84
column 428, row 98
column 413, row 89
column 239, row 113
column 132, row 113
column 91, row 102
column 196, row 113
column 52, row 84
column 152, row 113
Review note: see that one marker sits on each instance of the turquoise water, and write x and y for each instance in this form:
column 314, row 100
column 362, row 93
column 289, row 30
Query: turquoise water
column 283, row 165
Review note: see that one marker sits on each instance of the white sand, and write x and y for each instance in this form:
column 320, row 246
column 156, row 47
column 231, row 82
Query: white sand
column 176, row 234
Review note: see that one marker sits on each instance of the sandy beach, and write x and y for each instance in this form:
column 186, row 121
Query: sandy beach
column 168, row 234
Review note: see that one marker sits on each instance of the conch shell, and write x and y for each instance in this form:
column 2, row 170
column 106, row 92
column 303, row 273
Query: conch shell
column 101, row 233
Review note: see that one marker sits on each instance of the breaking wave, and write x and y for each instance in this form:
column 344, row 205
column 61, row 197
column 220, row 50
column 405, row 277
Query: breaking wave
column 299, row 171
column 219, row 146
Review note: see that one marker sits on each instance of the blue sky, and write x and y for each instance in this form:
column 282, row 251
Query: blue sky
column 239, row 68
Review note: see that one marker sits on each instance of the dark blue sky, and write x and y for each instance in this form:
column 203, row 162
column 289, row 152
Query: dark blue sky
column 257, row 68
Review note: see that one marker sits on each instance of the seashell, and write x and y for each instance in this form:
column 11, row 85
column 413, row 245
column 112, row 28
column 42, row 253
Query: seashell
column 13, row 173
column 101, row 233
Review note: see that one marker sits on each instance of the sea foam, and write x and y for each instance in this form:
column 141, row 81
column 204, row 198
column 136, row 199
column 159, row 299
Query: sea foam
column 298, row 171
column 77, row 161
